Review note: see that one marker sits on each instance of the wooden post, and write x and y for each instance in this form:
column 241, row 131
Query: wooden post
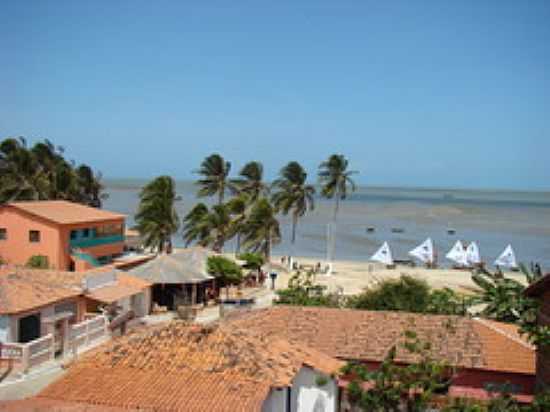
column 52, row 346
column 193, row 294
column 87, row 340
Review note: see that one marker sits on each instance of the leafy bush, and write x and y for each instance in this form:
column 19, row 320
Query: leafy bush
column 302, row 291
column 226, row 271
column 38, row 262
column 254, row 261
column 409, row 295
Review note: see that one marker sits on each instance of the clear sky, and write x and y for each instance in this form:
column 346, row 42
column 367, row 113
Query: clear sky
column 429, row 93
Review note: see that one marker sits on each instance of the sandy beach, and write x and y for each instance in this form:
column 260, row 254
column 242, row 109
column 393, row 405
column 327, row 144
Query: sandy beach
column 352, row 276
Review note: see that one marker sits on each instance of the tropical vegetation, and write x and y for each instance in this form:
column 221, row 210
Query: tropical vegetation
column 225, row 270
column 335, row 180
column 157, row 219
column 214, row 177
column 250, row 182
column 41, row 172
column 262, row 229
column 38, row 262
column 292, row 194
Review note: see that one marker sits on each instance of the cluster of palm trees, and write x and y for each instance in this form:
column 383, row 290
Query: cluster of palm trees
column 41, row 172
column 250, row 215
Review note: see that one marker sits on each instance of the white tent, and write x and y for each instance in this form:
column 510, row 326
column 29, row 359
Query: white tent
column 472, row 254
column 424, row 252
column 507, row 258
column 383, row 255
column 457, row 254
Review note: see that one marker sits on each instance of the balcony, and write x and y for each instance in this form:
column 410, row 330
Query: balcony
column 96, row 241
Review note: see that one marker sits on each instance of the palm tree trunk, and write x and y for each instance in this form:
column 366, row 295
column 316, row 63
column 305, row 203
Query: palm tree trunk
column 294, row 224
column 336, row 205
column 221, row 194
column 238, row 249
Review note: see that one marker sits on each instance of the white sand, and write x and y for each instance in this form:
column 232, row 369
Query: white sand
column 352, row 277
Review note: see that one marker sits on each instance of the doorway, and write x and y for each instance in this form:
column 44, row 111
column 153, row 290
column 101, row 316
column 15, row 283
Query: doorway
column 29, row 328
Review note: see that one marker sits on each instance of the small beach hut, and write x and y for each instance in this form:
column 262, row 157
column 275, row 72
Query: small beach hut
column 383, row 255
column 458, row 254
column 179, row 278
column 507, row 258
column 472, row 254
column 424, row 252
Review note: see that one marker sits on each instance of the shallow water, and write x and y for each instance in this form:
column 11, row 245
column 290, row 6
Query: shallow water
column 492, row 218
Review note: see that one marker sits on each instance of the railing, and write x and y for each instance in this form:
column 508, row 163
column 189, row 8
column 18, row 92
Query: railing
column 96, row 241
column 88, row 258
column 30, row 354
column 89, row 332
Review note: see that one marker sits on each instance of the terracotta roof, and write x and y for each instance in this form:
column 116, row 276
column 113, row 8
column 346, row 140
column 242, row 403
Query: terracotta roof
column 126, row 286
column 539, row 287
column 368, row 335
column 186, row 368
column 24, row 289
column 48, row 405
column 63, row 212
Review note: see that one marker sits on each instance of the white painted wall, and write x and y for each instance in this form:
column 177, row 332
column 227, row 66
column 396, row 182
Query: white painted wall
column 305, row 395
column 5, row 329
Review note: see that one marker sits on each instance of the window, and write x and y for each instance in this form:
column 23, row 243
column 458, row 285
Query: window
column 85, row 232
column 3, row 233
column 34, row 236
column 74, row 234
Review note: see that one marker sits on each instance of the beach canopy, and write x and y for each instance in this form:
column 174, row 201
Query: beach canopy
column 507, row 258
column 457, row 254
column 383, row 255
column 472, row 254
column 424, row 252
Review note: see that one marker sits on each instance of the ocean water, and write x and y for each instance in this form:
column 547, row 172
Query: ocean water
column 492, row 218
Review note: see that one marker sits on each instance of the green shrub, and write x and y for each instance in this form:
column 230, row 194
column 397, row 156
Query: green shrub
column 38, row 262
column 225, row 270
column 302, row 291
column 254, row 261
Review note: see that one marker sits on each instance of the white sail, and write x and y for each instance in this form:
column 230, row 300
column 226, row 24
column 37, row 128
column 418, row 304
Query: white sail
column 507, row 258
column 383, row 255
column 457, row 254
column 472, row 254
column 424, row 252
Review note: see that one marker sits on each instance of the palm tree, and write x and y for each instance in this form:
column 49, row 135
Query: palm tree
column 239, row 208
column 90, row 187
column 193, row 226
column 23, row 177
column 262, row 229
column 251, row 181
column 214, row 171
column 218, row 223
column 157, row 218
column 335, row 180
column 293, row 194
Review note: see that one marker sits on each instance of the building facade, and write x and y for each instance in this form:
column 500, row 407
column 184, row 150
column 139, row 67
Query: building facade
column 541, row 291
column 70, row 236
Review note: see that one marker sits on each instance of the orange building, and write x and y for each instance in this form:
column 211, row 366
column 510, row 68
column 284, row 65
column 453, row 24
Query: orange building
column 71, row 236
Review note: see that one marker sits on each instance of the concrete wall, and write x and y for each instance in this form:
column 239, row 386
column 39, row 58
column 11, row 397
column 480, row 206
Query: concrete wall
column 17, row 249
column 44, row 311
column 305, row 394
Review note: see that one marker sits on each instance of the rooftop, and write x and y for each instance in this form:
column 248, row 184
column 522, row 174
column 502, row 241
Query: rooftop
column 24, row 289
column 64, row 213
column 368, row 335
column 187, row 367
column 185, row 266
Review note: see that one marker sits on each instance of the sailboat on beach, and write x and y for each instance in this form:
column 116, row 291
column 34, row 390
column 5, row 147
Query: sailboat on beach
column 507, row 258
column 383, row 255
column 472, row 254
column 458, row 255
column 424, row 252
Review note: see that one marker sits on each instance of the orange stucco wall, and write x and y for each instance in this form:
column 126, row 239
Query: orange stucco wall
column 54, row 240
column 17, row 249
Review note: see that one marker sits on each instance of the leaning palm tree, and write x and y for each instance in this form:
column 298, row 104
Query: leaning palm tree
column 250, row 181
column 293, row 194
column 214, row 172
column 335, row 180
column 239, row 208
column 157, row 219
column 262, row 229
column 218, row 223
column 23, row 177
column 194, row 229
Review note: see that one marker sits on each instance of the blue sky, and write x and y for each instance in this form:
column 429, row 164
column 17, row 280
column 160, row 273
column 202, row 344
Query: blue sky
column 429, row 93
